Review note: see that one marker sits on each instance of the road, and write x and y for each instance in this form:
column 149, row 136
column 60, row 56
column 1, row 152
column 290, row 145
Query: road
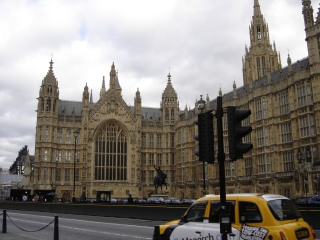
column 75, row 227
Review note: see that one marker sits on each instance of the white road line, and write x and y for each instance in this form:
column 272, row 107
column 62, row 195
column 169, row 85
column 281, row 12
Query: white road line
column 84, row 230
column 79, row 220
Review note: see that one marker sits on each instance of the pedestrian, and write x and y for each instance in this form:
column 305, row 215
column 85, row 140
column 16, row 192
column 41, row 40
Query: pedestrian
column 130, row 199
column 36, row 198
column 24, row 198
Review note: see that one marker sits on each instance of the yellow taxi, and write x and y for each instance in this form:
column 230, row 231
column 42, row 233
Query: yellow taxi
column 253, row 216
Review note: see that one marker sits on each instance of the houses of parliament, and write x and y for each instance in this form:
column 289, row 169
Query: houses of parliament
column 82, row 147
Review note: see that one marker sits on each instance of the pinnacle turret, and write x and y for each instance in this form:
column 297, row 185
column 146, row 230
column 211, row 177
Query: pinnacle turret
column 103, row 88
column 260, row 53
column 256, row 7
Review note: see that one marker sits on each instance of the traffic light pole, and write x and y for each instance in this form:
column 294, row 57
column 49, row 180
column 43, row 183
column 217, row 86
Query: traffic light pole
column 221, row 160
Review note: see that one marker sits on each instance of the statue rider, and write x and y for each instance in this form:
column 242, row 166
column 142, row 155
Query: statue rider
column 161, row 174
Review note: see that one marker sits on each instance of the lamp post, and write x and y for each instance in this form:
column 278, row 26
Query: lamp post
column 305, row 172
column 201, row 106
column 316, row 181
column 267, row 187
column 76, row 132
column 53, row 188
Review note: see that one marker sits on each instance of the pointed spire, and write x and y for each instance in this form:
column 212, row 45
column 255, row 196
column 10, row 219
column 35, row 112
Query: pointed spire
column 103, row 88
column 280, row 64
column 51, row 63
column 169, row 90
column 256, row 7
column 113, row 76
column 91, row 100
column 186, row 112
column 138, row 92
column 220, row 92
column 137, row 102
column 289, row 59
column 289, row 63
column 234, row 89
column 307, row 12
column 50, row 78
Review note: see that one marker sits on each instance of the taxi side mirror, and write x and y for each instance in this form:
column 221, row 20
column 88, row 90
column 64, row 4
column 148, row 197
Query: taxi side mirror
column 183, row 219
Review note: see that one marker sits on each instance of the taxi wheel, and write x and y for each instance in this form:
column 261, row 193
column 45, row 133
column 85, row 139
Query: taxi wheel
column 164, row 237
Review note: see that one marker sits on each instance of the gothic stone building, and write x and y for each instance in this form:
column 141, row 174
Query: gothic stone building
column 118, row 145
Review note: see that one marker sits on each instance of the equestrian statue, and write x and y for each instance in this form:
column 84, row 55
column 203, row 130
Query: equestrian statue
column 160, row 179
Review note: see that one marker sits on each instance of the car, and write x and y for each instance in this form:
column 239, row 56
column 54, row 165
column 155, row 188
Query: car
column 314, row 200
column 187, row 201
column 113, row 200
column 140, row 201
column 246, row 216
column 173, row 201
column 158, row 200
column 123, row 201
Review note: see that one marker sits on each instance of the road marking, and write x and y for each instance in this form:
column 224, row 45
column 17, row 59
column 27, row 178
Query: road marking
column 85, row 230
column 70, row 219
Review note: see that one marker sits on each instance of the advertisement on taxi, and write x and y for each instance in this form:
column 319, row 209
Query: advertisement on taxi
column 253, row 216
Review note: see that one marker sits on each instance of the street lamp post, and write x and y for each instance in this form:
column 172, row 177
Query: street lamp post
column 305, row 173
column 201, row 106
column 76, row 132
column 316, row 183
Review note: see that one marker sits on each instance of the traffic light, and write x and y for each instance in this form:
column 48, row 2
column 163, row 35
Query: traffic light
column 236, row 132
column 205, row 137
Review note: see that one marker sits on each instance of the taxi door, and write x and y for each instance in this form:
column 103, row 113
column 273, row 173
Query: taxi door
column 191, row 224
column 211, row 229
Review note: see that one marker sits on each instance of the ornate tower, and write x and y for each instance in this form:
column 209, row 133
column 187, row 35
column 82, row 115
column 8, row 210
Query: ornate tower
column 169, row 105
column 261, row 57
column 48, row 96
column 312, row 35
column 47, row 121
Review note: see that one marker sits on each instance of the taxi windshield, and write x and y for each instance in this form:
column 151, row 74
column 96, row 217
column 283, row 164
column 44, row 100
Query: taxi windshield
column 283, row 209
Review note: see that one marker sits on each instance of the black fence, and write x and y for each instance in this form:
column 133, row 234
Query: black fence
column 139, row 211
column 144, row 211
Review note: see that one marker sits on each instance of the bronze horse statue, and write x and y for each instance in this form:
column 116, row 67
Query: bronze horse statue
column 159, row 181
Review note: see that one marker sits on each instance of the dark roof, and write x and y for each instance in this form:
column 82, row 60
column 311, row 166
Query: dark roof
column 68, row 107
column 276, row 77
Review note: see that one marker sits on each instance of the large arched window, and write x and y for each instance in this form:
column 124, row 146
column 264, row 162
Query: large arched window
column 111, row 153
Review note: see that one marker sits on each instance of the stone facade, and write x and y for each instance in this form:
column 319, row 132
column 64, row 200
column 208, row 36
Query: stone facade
column 118, row 145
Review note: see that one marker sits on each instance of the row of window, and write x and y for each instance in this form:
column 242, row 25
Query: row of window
column 149, row 159
column 304, row 98
column 69, row 138
column 67, row 156
column 264, row 163
column 46, row 105
column 65, row 174
column 155, row 140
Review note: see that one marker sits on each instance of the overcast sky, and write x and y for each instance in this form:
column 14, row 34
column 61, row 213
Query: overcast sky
column 201, row 43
